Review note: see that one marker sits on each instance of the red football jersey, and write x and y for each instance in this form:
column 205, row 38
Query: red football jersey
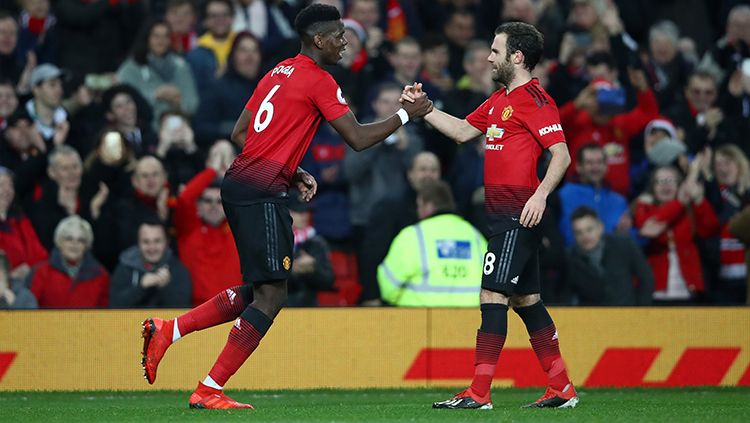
column 287, row 107
column 518, row 126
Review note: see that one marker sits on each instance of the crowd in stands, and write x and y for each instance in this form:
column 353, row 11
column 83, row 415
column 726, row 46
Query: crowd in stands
column 115, row 118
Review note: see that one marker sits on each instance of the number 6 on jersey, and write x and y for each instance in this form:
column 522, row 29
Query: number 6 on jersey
column 266, row 108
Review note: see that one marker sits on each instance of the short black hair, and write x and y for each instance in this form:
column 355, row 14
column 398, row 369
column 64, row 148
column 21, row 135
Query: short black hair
column 525, row 38
column 432, row 40
column 109, row 95
column 587, row 147
column 584, row 211
column 308, row 20
column 602, row 58
column 153, row 221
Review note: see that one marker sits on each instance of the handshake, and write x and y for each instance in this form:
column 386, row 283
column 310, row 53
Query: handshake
column 414, row 101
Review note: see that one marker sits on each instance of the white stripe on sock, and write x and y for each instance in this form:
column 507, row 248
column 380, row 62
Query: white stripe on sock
column 176, row 332
column 208, row 381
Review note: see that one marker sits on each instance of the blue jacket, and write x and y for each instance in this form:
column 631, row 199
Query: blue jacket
column 608, row 204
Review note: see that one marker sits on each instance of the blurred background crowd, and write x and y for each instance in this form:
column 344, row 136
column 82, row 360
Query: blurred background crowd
column 115, row 116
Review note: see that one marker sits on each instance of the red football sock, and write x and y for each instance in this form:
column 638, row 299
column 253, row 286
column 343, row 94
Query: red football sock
column 547, row 349
column 486, row 355
column 244, row 338
column 226, row 306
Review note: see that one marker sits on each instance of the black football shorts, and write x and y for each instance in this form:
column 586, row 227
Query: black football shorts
column 511, row 264
column 264, row 239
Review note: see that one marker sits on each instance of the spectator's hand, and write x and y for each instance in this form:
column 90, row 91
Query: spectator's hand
column 305, row 183
column 611, row 19
column 20, row 272
column 638, row 79
column 533, row 210
column 567, row 47
column 714, row 116
column 9, row 296
column 586, row 100
column 68, row 200
column 99, row 199
column 330, row 174
column 220, row 157
column 170, row 94
column 375, row 39
column 150, row 279
column 164, row 275
column 625, row 223
column 162, row 206
column 683, row 194
column 652, row 228
column 61, row 133
column 695, row 191
column 304, row 263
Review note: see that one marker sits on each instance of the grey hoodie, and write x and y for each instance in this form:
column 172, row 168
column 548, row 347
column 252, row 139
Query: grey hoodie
column 125, row 284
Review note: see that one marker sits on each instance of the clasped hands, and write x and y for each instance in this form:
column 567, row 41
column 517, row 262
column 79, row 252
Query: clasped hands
column 415, row 101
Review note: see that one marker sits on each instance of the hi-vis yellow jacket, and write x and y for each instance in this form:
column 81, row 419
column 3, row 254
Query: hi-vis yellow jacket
column 435, row 263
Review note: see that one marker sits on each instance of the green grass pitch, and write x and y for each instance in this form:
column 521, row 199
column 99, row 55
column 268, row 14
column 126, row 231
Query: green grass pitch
column 705, row 405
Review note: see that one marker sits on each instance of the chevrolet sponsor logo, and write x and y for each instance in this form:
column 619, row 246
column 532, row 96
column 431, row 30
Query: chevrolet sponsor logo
column 494, row 132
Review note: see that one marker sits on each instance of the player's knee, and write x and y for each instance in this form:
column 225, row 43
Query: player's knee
column 524, row 300
column 490, row 297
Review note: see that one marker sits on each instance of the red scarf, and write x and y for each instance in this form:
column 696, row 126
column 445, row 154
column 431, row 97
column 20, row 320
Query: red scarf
column 395, row 21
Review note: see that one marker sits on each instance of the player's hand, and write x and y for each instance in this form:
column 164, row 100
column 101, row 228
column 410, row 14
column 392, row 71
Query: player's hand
column 305, row 183
column 410, row 93
column 421, row 106
column 533, row 210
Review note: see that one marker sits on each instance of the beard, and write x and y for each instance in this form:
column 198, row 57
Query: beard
column 504, row 73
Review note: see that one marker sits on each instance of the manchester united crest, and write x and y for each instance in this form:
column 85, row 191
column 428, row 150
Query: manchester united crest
column 507, row 113
column 287, row 262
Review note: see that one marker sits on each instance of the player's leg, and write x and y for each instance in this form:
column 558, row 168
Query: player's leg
column 496, row 287
column 543, row 337
column 244, row 338
column 159, row 334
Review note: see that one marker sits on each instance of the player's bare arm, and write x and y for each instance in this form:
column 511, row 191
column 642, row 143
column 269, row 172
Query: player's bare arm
column 361, row 136
column 459, row 130
column 534, row 209
column 240, row 127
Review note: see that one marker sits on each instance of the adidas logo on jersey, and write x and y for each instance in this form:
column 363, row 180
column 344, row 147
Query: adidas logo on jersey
column 237, row 324
column 231, row 295
column 514, row 280
column 284, row 70
column 550, row 128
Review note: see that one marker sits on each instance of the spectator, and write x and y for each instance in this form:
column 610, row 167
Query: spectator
column 204, row 239
column 311, row 267
column 668, row 70
column 149, row 201
column 13, row 294
column 123, row 114
column 436, row 262
column 62, row 195
column 728, row 192
column 663, row 147
column 18, row 240
column 265, row 20
column 71, row 278
column 45, row 108
column 739, row 226
column 459, row 28
column 325, row 162
column 110, row 162
column 38, row 33
column 729, row 52
column 8, row 102
column 385, row 224
column 367, row 13
column 149, row 275
column 475, row 85
column 177, row 149
column 181, row 17
column 699, row 115
column 228, row 94
column 603, row 268
column 590, row 190
column 96, row 36
column 21, row 142
column 161, row 76
column 597, row 116
column 737, row 105
column 379, row 170
column 17, row 69
column 209, row 59
column 670, row 214
column 354, row 72
column 435, row 57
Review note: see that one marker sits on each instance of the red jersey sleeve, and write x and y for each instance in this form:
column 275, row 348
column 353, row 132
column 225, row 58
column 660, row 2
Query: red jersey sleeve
column 327, row 97
column 544, row 125
column 478, row 118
